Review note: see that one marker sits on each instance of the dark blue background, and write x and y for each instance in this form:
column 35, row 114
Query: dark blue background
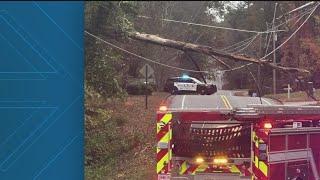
column 41, row 90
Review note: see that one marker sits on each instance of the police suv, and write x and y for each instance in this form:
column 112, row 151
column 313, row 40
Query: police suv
column 177, row 85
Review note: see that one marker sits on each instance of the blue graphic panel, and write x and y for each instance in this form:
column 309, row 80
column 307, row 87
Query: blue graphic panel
column 41, row 90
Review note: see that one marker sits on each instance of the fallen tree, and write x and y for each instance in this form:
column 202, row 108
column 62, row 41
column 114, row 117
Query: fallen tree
column 207, row 50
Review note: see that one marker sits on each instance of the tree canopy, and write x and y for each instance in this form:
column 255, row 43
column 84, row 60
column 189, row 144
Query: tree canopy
column 108, row 70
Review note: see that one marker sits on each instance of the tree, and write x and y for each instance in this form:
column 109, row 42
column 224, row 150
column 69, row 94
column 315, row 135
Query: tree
column 105, row 67
column 304, row 49
column 122, row 22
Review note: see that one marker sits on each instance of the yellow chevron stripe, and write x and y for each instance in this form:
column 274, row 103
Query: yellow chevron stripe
column 264, row 168
column 234, row 169
column 253, row 135
column 165, row 138
column 261, row 166
column 166, row 118
column 183, row 168
column 256, row 142
column 161, row 163
column 158, row 127
column 201, row 168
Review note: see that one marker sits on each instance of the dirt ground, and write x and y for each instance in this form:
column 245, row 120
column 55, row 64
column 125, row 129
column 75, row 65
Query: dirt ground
column 141, row 121
column 121, row 138
column 300, row 96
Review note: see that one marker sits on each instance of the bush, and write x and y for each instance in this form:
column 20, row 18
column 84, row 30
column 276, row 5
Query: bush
column 105, row 144
column 140, row 89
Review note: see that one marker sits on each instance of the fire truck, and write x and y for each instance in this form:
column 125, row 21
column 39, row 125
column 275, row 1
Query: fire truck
column 260, row 142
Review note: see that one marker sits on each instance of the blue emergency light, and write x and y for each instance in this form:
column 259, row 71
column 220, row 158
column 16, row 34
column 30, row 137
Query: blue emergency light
column 185, row 76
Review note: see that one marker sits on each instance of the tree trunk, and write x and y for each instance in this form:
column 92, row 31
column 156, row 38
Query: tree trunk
column 207, row 50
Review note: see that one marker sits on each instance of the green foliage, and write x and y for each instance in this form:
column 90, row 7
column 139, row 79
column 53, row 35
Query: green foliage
column 105, row 68
column 140, row 89
column 302, row 51
column 109, row 17
column 102, row 74
column 105, row 143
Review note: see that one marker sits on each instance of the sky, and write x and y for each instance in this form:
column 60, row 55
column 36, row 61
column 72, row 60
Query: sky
column 231, row 4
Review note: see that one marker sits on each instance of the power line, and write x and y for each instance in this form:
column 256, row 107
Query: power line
column 220, row 61
column 288, row 20
column 292, row 33
column 298, row 19
column 144, row 58
column 211, row 26
column 248, row 44
column 269, row 37
column 228, row 48
column 272, row 27
column 236, row 68
column 239, row 67
column 173, row 67
column 233, row 29
column 296, row 9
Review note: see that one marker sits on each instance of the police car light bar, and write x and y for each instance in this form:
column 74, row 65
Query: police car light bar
column 185, row 76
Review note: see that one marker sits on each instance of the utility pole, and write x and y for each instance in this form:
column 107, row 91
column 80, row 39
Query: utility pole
column 274, row 62
column 259, row 68
column 274, row 52
column 146, row 87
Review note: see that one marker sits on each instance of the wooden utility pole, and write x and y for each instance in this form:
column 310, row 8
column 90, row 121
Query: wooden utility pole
column 274, row 62
column 259, row 68
column 147, row 87
column 274, row 52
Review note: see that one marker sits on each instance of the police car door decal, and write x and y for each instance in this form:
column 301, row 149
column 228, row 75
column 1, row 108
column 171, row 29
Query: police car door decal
column 192, row 85
column 184, row 86
column 181, row 86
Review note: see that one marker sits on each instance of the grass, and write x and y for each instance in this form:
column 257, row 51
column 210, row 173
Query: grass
column 120, row 138
column 295, row 96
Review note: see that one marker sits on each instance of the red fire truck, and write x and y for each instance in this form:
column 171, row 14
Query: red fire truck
column 262, row 142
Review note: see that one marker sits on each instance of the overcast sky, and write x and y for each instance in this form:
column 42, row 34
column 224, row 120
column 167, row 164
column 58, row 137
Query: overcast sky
column 231, row 4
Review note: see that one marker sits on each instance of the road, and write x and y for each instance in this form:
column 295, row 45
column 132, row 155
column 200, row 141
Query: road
column 220, row 100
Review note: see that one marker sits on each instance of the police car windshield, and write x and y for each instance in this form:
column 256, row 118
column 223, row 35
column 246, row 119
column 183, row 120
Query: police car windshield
column 197, row 81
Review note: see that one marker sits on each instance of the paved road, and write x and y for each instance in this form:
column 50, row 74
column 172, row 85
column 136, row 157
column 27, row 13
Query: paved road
column 219, row 100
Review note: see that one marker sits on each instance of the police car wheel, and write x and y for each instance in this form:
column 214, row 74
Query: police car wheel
column 202, row 91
